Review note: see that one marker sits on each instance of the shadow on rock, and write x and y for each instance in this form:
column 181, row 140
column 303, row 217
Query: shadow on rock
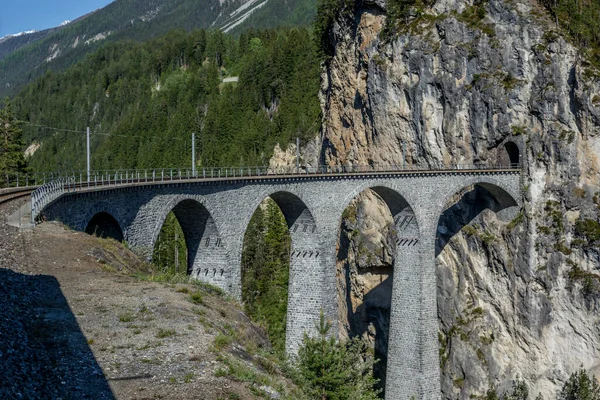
column 43, row 353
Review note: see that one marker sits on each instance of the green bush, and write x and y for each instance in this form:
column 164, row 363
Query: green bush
column 589, row 281
column 588, row 228
column 327, row 11
column 197, row 298
column 222, row 341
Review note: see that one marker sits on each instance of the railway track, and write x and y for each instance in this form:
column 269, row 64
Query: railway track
column 7, row 195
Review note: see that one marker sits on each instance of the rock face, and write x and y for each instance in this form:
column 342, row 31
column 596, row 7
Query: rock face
column 483, row 84
column 364, row 274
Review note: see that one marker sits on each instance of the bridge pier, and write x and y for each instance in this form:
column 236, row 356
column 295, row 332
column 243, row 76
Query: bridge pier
column 304, row 294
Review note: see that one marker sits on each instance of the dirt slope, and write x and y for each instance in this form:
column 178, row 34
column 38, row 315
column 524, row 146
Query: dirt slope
column 77, row 324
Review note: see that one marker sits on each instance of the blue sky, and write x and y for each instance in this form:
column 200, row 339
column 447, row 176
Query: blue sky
column 24, row 15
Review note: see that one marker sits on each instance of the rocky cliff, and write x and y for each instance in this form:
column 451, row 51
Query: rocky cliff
column 464, row 83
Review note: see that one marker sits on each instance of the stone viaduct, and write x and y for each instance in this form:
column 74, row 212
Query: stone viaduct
column 214, row 215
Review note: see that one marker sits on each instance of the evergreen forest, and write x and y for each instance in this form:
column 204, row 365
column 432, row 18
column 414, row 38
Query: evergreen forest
column 27, row 57
column 143, row 102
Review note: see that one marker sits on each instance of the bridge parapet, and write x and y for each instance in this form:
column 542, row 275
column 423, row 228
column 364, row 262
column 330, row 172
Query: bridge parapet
column 73, row 181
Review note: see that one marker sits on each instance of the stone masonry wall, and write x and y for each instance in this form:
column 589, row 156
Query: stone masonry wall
column 313, row 208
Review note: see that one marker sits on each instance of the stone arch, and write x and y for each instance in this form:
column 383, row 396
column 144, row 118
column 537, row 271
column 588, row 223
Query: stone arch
column 386, row 305
column 305, row 280
column 113, row 215
column 207, row 257
column 475, row 194
column 104, row 225
column 399, row 204
column 298, row 216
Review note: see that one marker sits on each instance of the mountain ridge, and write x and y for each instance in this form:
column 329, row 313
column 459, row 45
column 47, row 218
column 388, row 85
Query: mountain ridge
column 26, row 57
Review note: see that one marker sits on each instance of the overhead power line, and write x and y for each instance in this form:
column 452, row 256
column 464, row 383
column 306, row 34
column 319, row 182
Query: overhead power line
column 98, row 133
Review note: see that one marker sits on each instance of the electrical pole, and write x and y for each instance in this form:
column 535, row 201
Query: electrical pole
column 88, row 153
column 194, row 155
column 297, row 155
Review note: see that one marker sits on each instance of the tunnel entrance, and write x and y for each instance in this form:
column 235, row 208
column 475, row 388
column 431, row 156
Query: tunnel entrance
column 513, row 153
column 509, row 155
column 105, row 226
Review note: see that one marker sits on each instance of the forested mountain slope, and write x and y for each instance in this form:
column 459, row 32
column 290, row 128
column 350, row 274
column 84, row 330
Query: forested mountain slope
column 26, row 57
column 12, row 43
column 143, row 101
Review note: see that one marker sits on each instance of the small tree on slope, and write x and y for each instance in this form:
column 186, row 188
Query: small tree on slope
column 331, row 370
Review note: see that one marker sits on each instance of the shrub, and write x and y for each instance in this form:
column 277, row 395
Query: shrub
column 126, row 317
column 197, row 298
column 588, row 228
column 222, row 341
column 516, row 221
column 590, row 282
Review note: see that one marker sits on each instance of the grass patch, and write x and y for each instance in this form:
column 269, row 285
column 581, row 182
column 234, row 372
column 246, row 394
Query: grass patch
column 187, row 378
column 222, row 341
column 126, row 317
column 150, row 345
column 518, row 130
column 481, row 356
column 459, row 382
column 560, row 246
column 350, row 214
column 163, row 277
column 473, row 17
column 516, row 221
column 154, row 361
column 197, row 298
column 588, row 229
column 589, row 281
column 165, row 333
column 509, row 82
column 243, row 372
column 210, row 289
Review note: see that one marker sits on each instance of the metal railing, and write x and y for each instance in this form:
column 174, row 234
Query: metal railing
column 24, row 180
column 70, row 181
column 49, row 192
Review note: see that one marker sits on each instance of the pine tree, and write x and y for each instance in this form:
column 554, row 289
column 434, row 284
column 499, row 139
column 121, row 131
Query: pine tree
column 331, row 370
column 12, row 160
column 580, row 386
